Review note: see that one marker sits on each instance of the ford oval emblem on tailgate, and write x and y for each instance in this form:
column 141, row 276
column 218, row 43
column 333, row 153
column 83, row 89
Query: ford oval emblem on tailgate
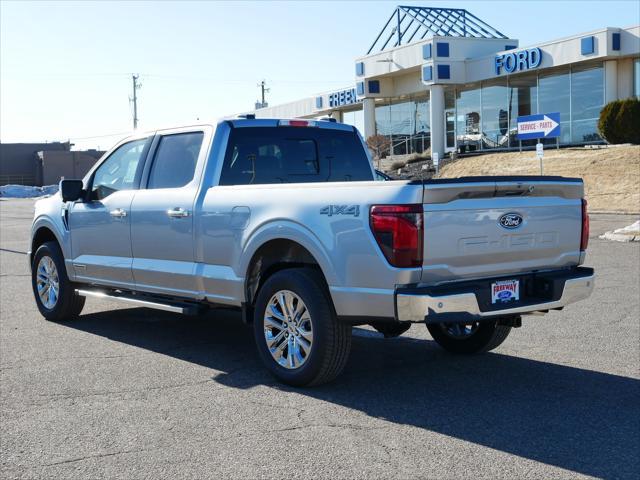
column 510, row 220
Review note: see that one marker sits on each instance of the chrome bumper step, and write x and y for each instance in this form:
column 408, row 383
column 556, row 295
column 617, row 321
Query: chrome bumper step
column 464, row 307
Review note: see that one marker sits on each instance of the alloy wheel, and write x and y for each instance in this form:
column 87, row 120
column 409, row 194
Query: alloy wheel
column 288, row 329
column 47, row 282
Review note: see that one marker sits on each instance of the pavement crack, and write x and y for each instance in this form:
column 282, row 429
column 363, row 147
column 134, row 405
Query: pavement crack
column 99, row 455
column 117, row 392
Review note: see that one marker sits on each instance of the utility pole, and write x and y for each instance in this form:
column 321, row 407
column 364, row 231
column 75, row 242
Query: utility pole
column 263, row 89
column 136, row 86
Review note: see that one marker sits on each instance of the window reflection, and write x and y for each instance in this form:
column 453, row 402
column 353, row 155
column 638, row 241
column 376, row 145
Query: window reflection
column 406, row 123
column 468, row 119
column 587, row 96
column 523, row 100
column 495, row 114
column 553, row 96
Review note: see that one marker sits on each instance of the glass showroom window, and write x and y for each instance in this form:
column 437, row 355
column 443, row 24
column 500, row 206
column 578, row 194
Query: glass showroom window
column 406, row 125
column 523, row 100
column 450, row 117
column 422, row 137
column 468, row 134
column 495, row 114
column 553, row 96
column 587, row 99
column 383, row 119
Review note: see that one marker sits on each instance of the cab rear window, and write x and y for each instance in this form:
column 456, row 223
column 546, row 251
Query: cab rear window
column 264, row 155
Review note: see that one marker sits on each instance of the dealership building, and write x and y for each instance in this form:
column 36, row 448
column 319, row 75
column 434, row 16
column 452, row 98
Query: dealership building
column 442, row 78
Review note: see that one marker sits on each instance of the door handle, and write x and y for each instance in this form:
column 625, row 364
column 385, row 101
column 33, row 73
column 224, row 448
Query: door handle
column 178, row 213
column 118, row 213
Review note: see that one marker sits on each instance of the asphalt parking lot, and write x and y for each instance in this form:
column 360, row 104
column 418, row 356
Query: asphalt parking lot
column 135, row 393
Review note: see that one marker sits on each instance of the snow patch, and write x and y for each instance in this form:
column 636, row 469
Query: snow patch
column 25, row 191
column 630, row 233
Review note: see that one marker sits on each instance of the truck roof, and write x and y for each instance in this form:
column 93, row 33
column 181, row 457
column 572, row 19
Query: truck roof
column 289, row 122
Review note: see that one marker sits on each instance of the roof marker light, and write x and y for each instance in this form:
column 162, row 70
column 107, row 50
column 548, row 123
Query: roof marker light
column 297, row 123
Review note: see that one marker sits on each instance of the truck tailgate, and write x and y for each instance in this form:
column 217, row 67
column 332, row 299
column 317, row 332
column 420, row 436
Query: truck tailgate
column 480, row 226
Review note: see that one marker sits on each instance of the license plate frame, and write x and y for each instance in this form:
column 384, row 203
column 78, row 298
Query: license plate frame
column 505, row 291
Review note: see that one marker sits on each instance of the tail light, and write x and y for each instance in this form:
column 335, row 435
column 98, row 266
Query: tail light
column 399, row 231
column 584, row 239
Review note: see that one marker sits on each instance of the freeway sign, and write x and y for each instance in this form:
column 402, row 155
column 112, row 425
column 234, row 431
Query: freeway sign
column 543, row 125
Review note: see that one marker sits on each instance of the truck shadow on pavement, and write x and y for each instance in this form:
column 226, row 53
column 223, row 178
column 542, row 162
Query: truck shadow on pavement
column 580, row 420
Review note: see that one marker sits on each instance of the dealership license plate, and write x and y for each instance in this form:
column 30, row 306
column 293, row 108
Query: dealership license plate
column 505, row 291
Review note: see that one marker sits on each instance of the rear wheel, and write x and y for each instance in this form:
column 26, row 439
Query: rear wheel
column 55, row 295
column 299, row 338
column 476, row 337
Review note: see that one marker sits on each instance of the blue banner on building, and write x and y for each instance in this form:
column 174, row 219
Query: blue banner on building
column 542, row 125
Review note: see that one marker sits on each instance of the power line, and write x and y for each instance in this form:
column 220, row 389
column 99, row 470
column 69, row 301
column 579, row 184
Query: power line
column 173, row 77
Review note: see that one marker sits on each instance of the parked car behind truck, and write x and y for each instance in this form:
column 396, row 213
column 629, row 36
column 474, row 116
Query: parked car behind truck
column 284, row 220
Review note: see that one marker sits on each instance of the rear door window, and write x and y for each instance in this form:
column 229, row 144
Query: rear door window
column 174, row 163
column 266, row 155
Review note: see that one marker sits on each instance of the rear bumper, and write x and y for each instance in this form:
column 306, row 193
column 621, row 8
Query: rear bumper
column 469, row 300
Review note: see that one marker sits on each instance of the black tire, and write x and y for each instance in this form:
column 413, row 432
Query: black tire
column 331, row 341
column 68, row 305
column 486, row 337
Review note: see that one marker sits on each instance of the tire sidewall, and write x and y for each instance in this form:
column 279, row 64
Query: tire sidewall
column 313, row 296
column 52, row 251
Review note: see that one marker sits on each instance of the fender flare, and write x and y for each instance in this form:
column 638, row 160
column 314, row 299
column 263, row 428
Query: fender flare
column 295, row 232
column 44, row 222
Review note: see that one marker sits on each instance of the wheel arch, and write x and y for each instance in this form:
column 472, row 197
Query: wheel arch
column 275, row 255
column 288, row 241
column 41, row 234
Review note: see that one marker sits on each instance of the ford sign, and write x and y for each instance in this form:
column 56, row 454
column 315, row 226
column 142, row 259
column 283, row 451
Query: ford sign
column 510, row 220
column 518, row 61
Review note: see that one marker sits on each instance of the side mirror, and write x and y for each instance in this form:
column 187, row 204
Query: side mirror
column 71, row 190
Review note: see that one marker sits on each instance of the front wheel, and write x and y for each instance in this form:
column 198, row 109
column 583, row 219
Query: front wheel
column 55, row 296
column 476, row 337
column 299, row 338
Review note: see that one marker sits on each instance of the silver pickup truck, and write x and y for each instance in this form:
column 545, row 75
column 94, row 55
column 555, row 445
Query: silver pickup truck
column 283, row 220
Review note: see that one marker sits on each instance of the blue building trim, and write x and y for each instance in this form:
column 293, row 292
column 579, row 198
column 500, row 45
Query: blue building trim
column 374, row 86
column 444, row 72
column 318, row 102
column 360, row 69
column 427, row 73
column 360, row 88
column 615, row 41
column 587, row 45
column 427, row 51
column 442, row 49
column 510, row 47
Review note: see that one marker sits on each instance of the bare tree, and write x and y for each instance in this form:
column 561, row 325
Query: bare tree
column 379, row 146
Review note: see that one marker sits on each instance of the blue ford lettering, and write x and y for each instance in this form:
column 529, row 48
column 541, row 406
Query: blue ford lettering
column 343, row 97
column 518, row 61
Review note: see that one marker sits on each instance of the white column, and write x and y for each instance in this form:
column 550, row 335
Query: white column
column 338, row 115
column 369, row 108
column 436, row 119
column 610, row 81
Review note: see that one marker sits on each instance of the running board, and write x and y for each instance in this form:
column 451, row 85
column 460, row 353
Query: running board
column 141, row 301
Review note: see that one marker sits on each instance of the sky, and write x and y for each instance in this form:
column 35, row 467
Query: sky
column 65, row 67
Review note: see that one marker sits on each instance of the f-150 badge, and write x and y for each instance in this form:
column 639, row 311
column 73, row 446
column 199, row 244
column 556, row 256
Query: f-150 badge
column 331, row 210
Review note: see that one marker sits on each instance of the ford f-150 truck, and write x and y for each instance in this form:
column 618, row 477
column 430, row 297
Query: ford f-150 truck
column 283, row 220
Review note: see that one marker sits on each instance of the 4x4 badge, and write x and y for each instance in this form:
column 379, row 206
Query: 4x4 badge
column 331, row 210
